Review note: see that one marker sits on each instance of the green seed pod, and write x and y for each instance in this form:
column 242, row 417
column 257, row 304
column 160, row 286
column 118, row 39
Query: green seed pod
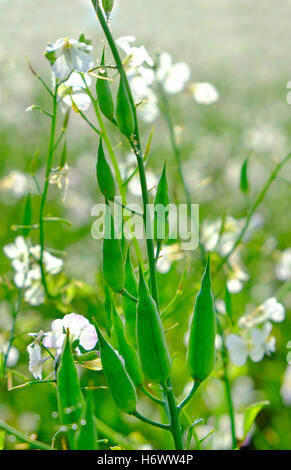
column 86, row 436
column 201, row 348
column 118, row 380
column 129, row 354
column 104, row 174
column 70, row 398
column 104, row 95
column 153, row 351
column 107, row 6
column 124, row 111
column 129, row 308
column 112, row 260
column 161, row 224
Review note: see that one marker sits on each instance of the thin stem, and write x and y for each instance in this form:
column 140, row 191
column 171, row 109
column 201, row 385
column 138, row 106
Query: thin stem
column 23, row 437
column 186, row 400
column 45, row 190
column 152, row 397
column 253, row 209
column 150, row 421
column 175, row 426
column 227, row 386
column 12, row 331
column 136, row 146
column 126, row 294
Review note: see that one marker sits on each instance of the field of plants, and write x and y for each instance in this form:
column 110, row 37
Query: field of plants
column 145, row 261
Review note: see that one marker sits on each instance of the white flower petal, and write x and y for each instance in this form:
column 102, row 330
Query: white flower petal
column 35, row 360
column 237, row 349
column 88, row 337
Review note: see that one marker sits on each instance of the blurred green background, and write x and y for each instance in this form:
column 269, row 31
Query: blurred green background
column 242, row 48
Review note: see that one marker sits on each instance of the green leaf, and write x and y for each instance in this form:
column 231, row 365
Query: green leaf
column 27, row 215
column 70, row 398
column 228, row 303
column 108, row 310
column 251, row 413
column 190, row 431
column 86, row 437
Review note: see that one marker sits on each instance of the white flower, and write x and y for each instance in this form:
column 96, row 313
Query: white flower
column 25, row 261
column 72, row 92
column 270, row 310
column 148, row 107
column 134, row 184
column 35, row 360
column 286, row 387
column 204, row 93
column 173, row 76
column 168, row 254
column 79, row 327
column 68, row 55
column 16, row 182
column 257, row 343
column 137, row 55
column 283, row 267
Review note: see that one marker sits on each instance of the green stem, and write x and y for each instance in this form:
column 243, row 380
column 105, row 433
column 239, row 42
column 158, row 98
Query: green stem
column 152, row 397
column 186, row 400
column 23, row 437
column 253, row 209
column 45, row 190
column 227, row 387
column 150, row 421
column 175, row 426
column 136, row 146
column 12, row 331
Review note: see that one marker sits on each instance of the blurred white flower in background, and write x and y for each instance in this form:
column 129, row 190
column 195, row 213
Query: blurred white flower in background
column 82, row 334
column 168, row 255
column 15, row 182
column 68, row 55
column 25, row 262
column 134, row 184
column 283, row 266
column 13, row 354
column 204, row 93
column 286, row 387
column 270, row 310
column 253, row 343
column 172, row 76
column 136, row 55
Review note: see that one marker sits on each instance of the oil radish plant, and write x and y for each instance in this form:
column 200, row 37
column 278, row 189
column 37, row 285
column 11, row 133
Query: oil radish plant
column 131, row 349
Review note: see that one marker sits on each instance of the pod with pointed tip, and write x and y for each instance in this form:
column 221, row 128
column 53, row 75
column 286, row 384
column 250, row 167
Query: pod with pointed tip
column 129, row 308
column 153, row 352
column 70, row 398
column 201, row 347
column 107, row 6
column 118, row 380
column 124, row 111
column 86, row 436
column 103, row 90
column 129, row 354
column 104, row 174
column 112, row 259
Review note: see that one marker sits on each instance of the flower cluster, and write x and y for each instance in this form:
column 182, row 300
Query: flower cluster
column 144, row 75
column 83, row 336
column 25, row 261
column 254, row 341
